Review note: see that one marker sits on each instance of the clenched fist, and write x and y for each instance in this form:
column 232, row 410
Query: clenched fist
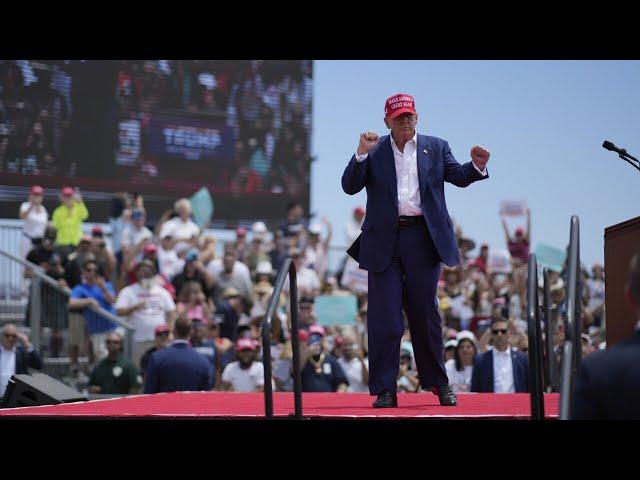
column 368, row 140
column 480, row 156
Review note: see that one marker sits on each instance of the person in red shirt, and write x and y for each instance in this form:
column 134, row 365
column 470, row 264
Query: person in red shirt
column 518, row 245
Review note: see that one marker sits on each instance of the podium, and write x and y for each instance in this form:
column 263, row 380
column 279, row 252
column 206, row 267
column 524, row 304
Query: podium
column 621, row 242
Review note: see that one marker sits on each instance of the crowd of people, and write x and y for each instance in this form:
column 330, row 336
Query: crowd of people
column 197, row 313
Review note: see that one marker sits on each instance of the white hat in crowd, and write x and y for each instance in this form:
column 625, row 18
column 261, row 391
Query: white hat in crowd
column 259, row 228
column 315, row 229
column 468, row 335
column 451, row 343
column 264, row 268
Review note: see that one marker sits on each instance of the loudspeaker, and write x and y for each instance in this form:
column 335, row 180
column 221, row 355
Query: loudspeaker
column 38, row 389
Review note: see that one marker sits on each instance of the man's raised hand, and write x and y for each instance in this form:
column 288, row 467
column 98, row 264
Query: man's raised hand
column 368, row 140
column 480, row 156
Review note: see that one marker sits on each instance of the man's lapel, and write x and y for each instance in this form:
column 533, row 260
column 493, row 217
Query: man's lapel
column 423, row 158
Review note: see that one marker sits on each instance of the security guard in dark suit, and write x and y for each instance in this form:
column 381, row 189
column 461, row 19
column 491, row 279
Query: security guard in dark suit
column 608, row 385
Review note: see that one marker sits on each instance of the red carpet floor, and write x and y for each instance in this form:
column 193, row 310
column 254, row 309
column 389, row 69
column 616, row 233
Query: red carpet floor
column 327, row 405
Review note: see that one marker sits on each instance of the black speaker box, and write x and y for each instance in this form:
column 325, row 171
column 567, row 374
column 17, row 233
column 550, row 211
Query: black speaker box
column 38, row 389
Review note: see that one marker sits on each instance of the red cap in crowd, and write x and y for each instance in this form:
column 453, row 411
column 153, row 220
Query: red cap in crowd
column 67, row 192
column 244, row 343
column 316, row 329
column 161, row 329
column 97, row 231
column 149, row 249
column 358, row 211
column 398, row 104
column 37, row 190
column 303, row 335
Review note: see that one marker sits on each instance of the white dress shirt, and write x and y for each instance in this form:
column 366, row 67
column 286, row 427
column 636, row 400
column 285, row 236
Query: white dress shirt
column 7, row 367
column 502, row 371
column 407, row 175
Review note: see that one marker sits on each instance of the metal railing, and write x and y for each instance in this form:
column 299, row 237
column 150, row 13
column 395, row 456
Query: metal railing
column 551, row 368
column 43, row 285
column 287, row 267
column 572, row 348
column 536, row 381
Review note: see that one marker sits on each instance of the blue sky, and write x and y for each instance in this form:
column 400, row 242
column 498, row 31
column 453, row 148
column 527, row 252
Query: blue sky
column 543, row 121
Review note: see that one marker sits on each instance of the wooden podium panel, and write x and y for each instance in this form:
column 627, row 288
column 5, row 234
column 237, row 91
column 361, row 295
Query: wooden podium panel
column 621, row 242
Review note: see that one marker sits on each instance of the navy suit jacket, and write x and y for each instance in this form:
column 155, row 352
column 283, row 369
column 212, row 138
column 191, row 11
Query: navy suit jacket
column 373, row 249
column 177, row 368
column 482, row 376
column 26, row 360
column 608, row 384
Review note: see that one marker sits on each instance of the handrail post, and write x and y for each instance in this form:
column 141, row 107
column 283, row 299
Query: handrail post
column 295, row 341
column 535, row 341
column 35, row 310
column 551, row 367
column 572, row 351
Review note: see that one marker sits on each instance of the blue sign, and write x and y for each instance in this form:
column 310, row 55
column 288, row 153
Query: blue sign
column 190, row 139
column 336, row 309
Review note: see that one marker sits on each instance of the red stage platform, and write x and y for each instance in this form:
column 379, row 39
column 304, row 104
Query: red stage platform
column 222, row 405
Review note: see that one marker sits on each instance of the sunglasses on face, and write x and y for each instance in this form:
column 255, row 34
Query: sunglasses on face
column 113, row 342
column 503, row 331
column 162, row 334
column 10, row 335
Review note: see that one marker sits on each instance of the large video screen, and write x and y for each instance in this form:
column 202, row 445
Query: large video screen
column 162, row 128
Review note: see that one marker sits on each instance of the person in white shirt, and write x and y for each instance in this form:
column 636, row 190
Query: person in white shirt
column 135, row 237
column 181, row 228
column 353, row 226
column 306, row 279
column 14, row 358
column 317, row 250
column 354, row 365
column 460, row 367
column 34, row 217
column 245, row 374
column 500, row 369
column 145, row 305
column 169, row 263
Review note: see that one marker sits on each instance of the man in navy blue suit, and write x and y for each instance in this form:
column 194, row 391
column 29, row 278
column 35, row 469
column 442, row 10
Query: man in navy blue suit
column 406, row 234
column 608, row 384
column 178, row 368
column 501, row 369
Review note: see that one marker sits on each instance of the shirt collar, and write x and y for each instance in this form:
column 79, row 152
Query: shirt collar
column 414, row 139
column 180, row 340
column 11, row 350
column 498, row 352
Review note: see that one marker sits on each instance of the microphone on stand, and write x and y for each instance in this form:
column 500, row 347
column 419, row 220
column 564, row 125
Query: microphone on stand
column 622, row 153
column 611, row 147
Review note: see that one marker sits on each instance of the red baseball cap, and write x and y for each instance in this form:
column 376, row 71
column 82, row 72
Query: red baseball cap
column 244, row 343
column 359, row 211
column 37, row 190
column 151, row 248
column 316, row 329
column 68, row 191
column 161, row 329
column 97, row 230
column 398, row 104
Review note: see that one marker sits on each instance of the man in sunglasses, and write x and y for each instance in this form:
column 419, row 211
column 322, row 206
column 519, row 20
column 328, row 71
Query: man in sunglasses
column 94, row 291
column 500, row 369
column 114, row 374
column 14, row 358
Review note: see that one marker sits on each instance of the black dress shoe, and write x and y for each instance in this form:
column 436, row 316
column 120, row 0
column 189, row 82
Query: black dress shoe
column 445, row 395
column 386, row 400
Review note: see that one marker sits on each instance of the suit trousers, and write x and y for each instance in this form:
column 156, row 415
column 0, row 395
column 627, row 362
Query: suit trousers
column 409, row 283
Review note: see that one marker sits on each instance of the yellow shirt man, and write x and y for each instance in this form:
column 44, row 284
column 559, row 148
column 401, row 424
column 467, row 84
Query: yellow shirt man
column 68, row 218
